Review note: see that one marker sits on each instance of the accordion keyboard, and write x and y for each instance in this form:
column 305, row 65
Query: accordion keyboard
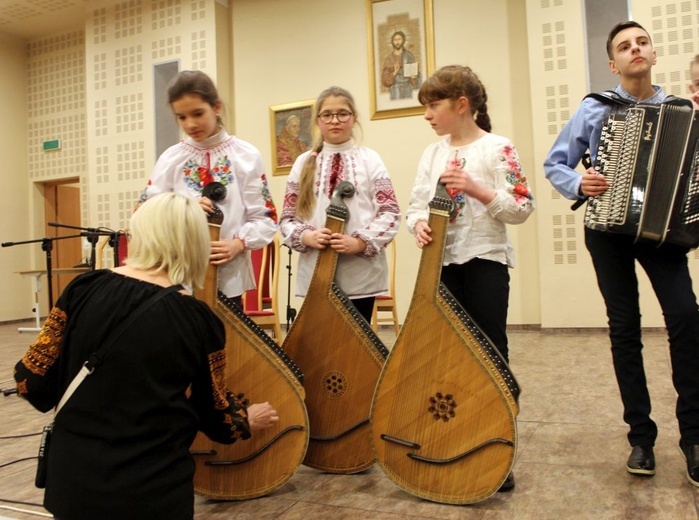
column 616, row 160
column 690, row 209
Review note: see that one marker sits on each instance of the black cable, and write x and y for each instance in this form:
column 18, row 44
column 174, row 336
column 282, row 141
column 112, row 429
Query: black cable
column 20, row 502
column 20, row 436
column 16, row 461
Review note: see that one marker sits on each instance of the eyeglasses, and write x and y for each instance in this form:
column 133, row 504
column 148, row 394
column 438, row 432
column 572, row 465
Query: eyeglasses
column 342, row 116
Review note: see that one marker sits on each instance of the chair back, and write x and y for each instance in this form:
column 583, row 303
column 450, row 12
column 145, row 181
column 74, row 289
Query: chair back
column 387, row 302
column 105, row 256
column 259, row 258
column 260, row 304
column 123, row 248
column 392, row 269
column 265, row 265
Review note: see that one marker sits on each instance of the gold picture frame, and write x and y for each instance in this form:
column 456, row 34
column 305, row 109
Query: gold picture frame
column 395, row 78
column 291, row 133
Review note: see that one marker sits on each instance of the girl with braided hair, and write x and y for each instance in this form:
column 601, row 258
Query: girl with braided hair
column 483, row 175
column 374, row 216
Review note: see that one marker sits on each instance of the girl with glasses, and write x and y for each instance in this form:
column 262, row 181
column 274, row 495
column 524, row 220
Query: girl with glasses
column 374, row 216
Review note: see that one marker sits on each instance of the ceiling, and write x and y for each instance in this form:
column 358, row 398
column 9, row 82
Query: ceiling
column 31, row 19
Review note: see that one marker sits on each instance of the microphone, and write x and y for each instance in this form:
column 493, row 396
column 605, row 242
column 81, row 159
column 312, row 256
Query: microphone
column 9, row 391
column 87, row 229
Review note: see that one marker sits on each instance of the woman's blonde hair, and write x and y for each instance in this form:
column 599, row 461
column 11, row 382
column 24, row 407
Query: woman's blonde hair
column 169, row 233
column 306, row 200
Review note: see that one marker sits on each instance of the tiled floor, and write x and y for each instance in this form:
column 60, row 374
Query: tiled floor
column 571, row 456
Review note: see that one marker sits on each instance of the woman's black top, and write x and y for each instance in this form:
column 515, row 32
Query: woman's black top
column 120, row 447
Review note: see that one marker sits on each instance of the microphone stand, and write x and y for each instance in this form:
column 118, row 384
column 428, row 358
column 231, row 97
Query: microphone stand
column 93, row 235
column 290, row 311
column 114, row 244
column 47, row 247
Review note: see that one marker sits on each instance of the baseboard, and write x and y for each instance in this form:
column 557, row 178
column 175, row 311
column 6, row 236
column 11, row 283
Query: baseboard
column 574, row 330
column 21, row 320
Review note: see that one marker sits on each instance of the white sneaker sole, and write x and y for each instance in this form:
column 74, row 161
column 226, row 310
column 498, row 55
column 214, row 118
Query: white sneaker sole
column 691, row 481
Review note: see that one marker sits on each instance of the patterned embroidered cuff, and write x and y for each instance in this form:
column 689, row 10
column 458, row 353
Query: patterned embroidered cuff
column 296, row 242
column 370, row 251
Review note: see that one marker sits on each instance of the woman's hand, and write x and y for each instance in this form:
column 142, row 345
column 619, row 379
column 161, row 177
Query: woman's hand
column 346, row 244
column 456, row 180
column 206, row 205
column 224, row 251
column 593, row 183
column 317, row 238
column 423, row 233
column 462, row 180
column 261, row 416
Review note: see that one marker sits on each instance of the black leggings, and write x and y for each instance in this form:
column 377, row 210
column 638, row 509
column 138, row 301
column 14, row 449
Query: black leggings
column 482, row 287
column 365, row 306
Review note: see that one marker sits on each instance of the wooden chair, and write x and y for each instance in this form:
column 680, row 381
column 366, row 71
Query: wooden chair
column 387, row 302
column 104, row 256
column 261, row 304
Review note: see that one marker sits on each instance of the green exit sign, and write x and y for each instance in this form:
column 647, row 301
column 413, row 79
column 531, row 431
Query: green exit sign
column 54, row 144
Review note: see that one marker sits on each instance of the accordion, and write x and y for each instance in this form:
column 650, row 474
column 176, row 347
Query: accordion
column 649, row 155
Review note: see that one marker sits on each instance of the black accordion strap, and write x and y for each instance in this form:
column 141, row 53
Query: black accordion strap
column 609, row 97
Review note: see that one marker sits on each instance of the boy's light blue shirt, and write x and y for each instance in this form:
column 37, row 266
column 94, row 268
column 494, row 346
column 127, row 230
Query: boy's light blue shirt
column 580, row 134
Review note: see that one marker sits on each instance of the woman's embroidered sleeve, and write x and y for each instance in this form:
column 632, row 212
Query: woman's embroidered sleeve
column 37, row 372
column 223, row 415
column 418, row 209
column 385, row 218
column 514, row 201
column 260, row 212
column 290, row 227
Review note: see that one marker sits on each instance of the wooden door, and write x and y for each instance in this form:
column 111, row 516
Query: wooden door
column 62, row 205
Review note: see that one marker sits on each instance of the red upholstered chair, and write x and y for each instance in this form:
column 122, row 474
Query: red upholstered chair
column 104, row 256
column 386, row 303
column 122, row 248
column 260, row 304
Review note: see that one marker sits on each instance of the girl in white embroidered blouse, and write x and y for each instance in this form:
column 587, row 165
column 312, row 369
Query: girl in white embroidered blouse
column 374, row 215
column 209, row 154
column 483, row 175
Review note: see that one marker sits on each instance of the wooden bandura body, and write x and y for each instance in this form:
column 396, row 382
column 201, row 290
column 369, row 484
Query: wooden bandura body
column 443, row 415
column 259, row 369
column 341, row 359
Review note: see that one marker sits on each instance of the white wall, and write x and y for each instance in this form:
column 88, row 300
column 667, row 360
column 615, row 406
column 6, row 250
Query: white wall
column 529, row 55
column 558, row 71
column 308, row 45
column 17, row 298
